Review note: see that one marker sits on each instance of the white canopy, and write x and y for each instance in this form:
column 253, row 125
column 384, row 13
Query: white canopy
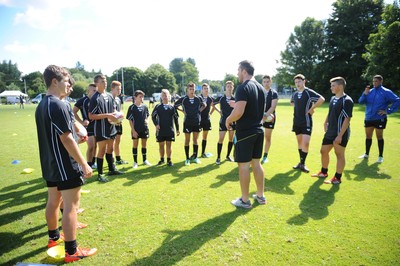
column 12, row 93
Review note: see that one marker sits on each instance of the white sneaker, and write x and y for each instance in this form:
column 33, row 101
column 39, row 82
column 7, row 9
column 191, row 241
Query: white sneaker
column 147, row 163
column 380, row 159
column 364, row 156
column 135, row 165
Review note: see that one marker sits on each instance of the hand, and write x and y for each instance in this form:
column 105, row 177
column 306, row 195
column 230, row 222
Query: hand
column 382, row 112
column 311, row 111
column 87, row 171
column 178, row 133
column 338, row 140
column 134, row 134
column 85, row 123
column 158, row 128
column 326, row 126
column 367, row 89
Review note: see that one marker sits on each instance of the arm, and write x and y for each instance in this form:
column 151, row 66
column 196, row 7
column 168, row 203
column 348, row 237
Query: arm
column 320, row 101
column 84, row 122
column 236, row 114
column 363, row 97
column 345, row 126
column 395, row 100
column 274, row 102
column 72, row 147
column 176, row 122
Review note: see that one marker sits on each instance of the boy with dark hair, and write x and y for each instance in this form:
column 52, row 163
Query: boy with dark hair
column 270, row 105
column 102, row 109
column 138, row 116
column 63, row 165
column 304, row 101
column 377, row 101
column 116, row 92
column 191, row 107
column 337, row 130
column 205, row 122
column 226, row 109
column 164, row 117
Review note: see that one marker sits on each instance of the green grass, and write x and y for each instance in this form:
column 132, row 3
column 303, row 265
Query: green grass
column 182, row 215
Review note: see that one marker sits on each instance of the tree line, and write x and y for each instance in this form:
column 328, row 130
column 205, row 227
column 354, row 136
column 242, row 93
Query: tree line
column 361, row 38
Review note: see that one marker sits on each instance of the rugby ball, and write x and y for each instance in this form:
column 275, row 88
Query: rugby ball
column 270, row 118
column 81, row 132
column 120, row 116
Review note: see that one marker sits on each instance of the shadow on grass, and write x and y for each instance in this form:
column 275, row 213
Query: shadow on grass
column 315, row 203
column 180, row 244
column 10, row 241
column 197, row 170
column 280, row 183
column 15, row 197
column 231, row 176
column 362, row 171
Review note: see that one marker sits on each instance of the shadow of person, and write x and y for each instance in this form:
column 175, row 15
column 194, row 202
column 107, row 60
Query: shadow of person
column 231, row 176
column 179, row 244
column 362, row 171
column 197, row 171
column 280, row 183
column 315, row 203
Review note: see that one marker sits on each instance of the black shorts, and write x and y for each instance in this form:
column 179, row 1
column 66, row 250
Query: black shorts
column 302, row 130
column 270, row 125
column 379, row 124
column 119, row 129
column 189, row 128
column 143, row 135
column 90, row 129
column 249, row 147
column 165, row 138
column 222, row 126
column 69, row 184
column 205, row 124
column 329, row 141
column 101, row 138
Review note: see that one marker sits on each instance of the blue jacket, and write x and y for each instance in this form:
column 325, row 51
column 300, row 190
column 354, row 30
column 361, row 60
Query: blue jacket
column 379, row 99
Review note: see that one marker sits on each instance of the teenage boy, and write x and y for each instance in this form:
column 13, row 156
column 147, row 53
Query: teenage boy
column 270, row 105
column 191, row 107
column 116, row 92
column 225, row 111
column 205, row 122
column 83, row 105
column 305, row 101
column 138, row 116
column 63, row 165
column 377, row 101
column 102, row 109
column 337, row 130
column 164, row 117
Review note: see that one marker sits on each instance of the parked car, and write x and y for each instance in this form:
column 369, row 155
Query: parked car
column 13, row 100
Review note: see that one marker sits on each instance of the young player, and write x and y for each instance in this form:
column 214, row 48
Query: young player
column 304, row 101
column 138, row 116
column 116, row 92
column 63, row 165
column 337, row 130
column 164, row 117
column 225, row 110
column 102, row 109
column 205, row 122
column 83, row 105
column 270, row 105
column 377, row 101
column 191, row 107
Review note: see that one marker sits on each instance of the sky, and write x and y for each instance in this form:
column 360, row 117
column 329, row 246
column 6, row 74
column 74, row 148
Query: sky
column 107, row 35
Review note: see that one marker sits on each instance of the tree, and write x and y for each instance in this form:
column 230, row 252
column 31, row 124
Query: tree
column 34, row 83
column 383, row 50
column 184, row 72
column 303, row 53
column 9, row 73
column 133, row 79
column 156, row 77
column 347, row 33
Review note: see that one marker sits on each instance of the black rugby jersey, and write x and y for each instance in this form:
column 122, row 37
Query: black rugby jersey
column 53, row 118
column 138, row 114
column 225, row 107
column 205, row 114
column 103, row 103
column 339, row 109
column 191, row 108
column 165, row 115
column 303, row 102
column 271, row 95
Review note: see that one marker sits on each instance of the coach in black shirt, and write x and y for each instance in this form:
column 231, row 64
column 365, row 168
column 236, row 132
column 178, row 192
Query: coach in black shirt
column 248, row 113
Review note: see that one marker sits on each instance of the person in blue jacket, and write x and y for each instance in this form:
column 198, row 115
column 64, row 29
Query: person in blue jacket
column 377, row 102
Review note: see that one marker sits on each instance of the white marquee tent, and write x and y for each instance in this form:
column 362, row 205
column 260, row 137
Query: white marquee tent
column 12, row 94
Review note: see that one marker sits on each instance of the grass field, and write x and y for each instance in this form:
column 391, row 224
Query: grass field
column 182, row 216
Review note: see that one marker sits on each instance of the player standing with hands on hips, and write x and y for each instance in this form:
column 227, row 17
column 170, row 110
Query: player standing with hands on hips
column 248, row 114
column 377, row 101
